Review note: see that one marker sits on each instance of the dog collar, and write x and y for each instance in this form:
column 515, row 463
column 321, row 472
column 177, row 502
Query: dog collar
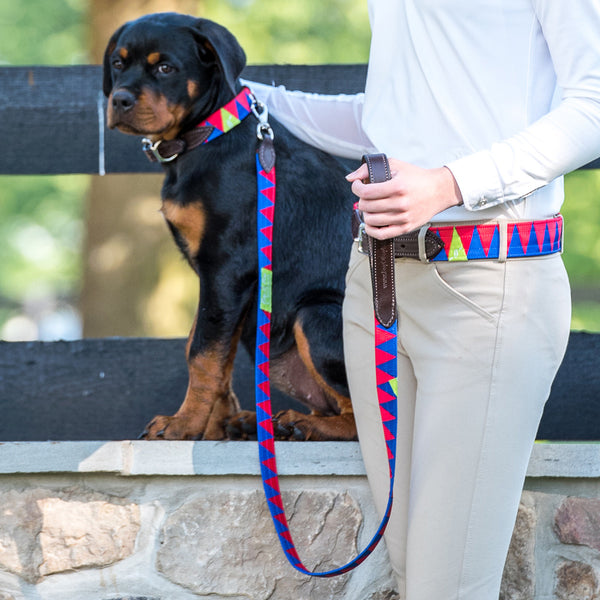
column 221, row 121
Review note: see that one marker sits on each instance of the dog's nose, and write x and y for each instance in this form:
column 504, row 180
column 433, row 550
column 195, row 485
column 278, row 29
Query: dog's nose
column 122, row 100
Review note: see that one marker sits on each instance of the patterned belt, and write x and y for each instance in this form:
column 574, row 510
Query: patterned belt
column 492, row 240
column 524, row 239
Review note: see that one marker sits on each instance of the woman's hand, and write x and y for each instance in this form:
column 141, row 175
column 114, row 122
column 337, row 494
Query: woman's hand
column 407, row 201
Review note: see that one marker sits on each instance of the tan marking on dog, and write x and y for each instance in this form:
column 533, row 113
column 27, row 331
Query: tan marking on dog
column 152, row 116
column 189, row 220
column 303, row 346
column 212, row 370
column 210, row 374
column 192, row 88
column 123, row 53
column 209, row 400
column 111, row 114
column 167, row 117
column 153, row 58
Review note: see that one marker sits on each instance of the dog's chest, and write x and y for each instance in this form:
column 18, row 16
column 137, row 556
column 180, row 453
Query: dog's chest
column 189, row 221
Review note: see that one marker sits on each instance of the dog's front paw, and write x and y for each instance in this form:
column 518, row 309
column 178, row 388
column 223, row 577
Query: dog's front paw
column 291, row 425
column 242, row 426
column 171, row 428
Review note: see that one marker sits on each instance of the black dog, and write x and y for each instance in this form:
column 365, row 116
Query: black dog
column 164, row 74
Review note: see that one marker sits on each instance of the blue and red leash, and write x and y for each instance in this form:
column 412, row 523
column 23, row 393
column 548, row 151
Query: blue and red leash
column 386, row 373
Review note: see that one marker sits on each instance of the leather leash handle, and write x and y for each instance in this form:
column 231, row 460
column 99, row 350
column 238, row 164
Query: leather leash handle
column 381, row 252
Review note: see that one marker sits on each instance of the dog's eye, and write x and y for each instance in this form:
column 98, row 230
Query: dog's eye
column 117, row 64
column 165, row 68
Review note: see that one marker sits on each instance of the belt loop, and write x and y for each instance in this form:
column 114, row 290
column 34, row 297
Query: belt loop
column 562, row 233
column 421, row 240
column 503, row 249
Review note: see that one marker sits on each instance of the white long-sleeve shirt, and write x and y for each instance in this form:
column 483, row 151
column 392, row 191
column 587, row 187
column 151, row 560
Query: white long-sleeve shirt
column 505, row 93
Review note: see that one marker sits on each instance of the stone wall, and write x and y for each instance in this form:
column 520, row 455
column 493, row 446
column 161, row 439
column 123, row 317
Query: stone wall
column 188, row 520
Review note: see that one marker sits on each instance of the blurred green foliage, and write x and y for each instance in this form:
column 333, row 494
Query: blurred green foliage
column 306, row 32
column 582, row 246
column 41, row 231
column 42, row 32
column 41, row 228
column 41, row 218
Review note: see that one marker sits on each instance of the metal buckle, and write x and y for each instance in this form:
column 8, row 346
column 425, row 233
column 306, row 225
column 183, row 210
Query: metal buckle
column 421, row 240
column 148, row 146
column 361, row 236
column 361, row 240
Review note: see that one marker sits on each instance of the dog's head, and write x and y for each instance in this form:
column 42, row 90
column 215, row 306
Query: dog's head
column 165, row 72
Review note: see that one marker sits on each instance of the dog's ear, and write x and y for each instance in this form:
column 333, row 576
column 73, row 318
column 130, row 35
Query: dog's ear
column 216, row 44
column 106, row 75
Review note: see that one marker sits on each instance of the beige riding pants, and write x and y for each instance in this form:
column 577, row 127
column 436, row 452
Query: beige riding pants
column 479, row 344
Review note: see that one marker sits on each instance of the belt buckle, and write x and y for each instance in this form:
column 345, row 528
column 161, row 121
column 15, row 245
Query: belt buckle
column 361, row 236
column 361, row 239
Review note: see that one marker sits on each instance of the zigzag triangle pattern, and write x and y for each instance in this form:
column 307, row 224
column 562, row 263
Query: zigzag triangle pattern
column 524, row 240
column 230, row 115
column 386, row 372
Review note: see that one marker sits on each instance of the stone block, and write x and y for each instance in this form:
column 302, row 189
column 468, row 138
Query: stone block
column 518, row 581
column 224, row 544
column 45, row 531
column 20, row 524
column 85, row 533
column 577, row 521
column 576, row 581
column 385, row 595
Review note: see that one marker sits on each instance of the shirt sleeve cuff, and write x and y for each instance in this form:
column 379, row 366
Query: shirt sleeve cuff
column 478, row 180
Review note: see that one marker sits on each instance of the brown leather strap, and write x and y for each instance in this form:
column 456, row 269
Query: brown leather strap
column 405, row 245
column 170, row 149
column 381, row 252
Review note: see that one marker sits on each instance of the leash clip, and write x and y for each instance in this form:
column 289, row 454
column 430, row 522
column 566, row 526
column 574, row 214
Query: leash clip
column 261, row 112
column 149, row 147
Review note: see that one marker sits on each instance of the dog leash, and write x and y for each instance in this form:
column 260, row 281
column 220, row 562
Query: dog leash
column 382, row 265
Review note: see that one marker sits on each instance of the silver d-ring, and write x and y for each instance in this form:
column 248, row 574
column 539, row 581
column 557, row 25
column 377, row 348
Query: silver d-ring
column 148, row 146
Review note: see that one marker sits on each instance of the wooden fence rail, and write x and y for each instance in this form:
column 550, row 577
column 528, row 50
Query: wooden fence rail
column 52, row 118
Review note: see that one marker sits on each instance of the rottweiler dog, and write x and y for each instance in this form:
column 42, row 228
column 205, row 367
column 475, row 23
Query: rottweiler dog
column 163, row 74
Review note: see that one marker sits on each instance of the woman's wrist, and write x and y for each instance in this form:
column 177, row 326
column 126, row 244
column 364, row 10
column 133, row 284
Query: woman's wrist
column 450, row 190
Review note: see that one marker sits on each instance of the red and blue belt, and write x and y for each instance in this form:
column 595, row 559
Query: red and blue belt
column 490, row 240
column 484, row 241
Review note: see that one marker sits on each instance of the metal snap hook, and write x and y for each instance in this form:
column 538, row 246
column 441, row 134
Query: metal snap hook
column 261, row 112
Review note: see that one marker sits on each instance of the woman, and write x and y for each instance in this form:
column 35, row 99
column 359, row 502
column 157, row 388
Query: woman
column 483, row 105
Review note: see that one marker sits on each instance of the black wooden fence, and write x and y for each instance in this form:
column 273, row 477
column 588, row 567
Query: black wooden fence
column 52, row 118
column 52, row 122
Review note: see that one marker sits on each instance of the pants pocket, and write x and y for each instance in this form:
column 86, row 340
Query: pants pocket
column 478, row 285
